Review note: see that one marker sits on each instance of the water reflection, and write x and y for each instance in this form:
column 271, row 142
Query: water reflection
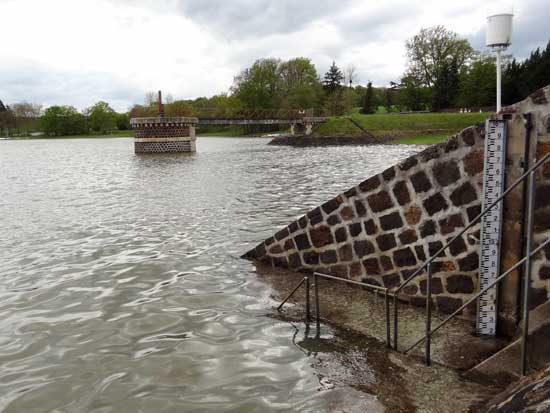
column 122, row 289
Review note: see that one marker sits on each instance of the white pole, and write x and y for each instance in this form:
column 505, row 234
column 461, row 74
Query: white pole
column 499, row 70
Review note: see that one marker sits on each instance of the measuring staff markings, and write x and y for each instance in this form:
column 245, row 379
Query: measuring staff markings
column 491, row 224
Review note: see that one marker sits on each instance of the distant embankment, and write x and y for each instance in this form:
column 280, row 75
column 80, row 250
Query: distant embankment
column 419, row 128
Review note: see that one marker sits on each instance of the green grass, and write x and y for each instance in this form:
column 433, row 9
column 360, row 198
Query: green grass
column 421, row 128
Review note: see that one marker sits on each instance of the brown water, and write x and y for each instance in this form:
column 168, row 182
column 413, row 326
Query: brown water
column 121, row 286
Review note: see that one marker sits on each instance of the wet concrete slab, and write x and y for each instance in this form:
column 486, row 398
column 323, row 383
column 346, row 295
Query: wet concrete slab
column 403, row 382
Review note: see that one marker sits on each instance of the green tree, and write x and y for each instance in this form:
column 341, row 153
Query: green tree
column 299, row 85
column 434, row 52
column 369, row 104
column 446, row 86
column 63, row 120
column 122, row 121
column 333, row 79
column 257, row 86
column 7, row 119
column 478, row 83
column 413, row 95
column 102, row 117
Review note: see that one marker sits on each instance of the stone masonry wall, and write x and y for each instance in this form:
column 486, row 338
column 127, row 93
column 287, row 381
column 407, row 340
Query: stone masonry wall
column 381, row 230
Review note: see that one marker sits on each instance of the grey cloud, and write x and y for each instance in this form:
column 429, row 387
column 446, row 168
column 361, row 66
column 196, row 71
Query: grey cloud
column 26, row 80
column 242, row 19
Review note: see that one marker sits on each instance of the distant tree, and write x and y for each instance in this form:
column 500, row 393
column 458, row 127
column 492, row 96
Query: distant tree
column 123, row 121
column 179, row 108
column 520, row 79
column 333, row 79
column 413, row 95
column 299, row 85
column 63, row 120
column 446, row 86
column 26, row 110
column 434, row 52
column 369, row 104
column 7, row 118
column 257, row 86
column 478, row 83
column 350, row 75
column 102, row 117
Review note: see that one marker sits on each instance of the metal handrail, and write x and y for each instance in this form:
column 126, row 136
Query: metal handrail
column 443, row 248
column 375, row 288
column 477, row 295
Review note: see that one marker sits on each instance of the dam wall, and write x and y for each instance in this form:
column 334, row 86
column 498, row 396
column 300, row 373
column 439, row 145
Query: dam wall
column 381, row 230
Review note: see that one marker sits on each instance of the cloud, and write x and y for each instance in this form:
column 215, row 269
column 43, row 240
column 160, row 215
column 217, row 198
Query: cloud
column 79, row 52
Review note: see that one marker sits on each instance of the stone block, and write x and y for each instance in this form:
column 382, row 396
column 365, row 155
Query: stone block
column 289, row 245
column 311, row 258
column 537, row 296
column 473, row 212
column 302, row 242
column 370, row 184
column 333, row 220
column 302, row 222
column 413, row 215
column 421, row 182
column 542, row 196
column 355, row 229
column 282, row 234
column 451, row 144
column 329, row 257
column 460, row 284
column 332, row 205
column 321, row 236
column 340, row 271
column 435, row 203
column 350, row 193
column 469, row 263
column 391, row 280
column 451, row 223
column 457, row 247
column 443, row 266
column 408, row 163
column 437, row 286
column 363, row 248
column 430, row 153
column 544, row 273
column 345, row 253
column 473, row 162
column 401, row 193
column 427, row 228
column 391, row 221
column 410, row 289
column 380, row 201
column 408, row 236
column 347, row 213
column 370, row 227
column 464, row 194
column 360, row 209
column 446, row 173
column 404, row 257
column 292, row 228
column 372, row 266
column 468, row 136
column 315, row 216
column 386, row 263
column 389, row 174
column 294, row 260
column 419, row 249
column 386, row 241
column 341, row 234
column 435, row 246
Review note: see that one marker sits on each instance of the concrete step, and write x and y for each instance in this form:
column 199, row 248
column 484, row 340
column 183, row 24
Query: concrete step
column 508, row 360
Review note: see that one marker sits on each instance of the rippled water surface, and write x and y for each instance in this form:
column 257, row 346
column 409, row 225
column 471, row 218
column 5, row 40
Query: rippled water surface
column 121, row 286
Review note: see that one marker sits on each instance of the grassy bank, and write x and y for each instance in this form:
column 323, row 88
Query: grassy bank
column 114, row 134
column 421, row 128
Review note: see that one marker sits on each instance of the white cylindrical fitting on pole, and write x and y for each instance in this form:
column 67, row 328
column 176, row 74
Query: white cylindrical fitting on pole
column 499, row 30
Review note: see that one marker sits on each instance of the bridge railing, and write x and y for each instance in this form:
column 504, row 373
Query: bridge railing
column 216, row 113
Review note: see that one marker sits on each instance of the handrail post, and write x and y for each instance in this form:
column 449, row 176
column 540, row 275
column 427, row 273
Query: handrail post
column 395, row 322
column 308, row 312
column 317, row 312
column 387, row 305
column 428, row 314
column 527, row 273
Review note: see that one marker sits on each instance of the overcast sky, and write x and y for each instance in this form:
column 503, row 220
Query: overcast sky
column 80, row 51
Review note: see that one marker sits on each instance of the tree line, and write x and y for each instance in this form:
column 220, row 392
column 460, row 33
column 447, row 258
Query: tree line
column 443, row 71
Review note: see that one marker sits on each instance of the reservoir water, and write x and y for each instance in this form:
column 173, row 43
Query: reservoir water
column 121, row 286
